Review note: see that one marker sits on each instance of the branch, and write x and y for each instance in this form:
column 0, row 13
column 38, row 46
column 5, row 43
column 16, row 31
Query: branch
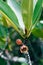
column 14, row 59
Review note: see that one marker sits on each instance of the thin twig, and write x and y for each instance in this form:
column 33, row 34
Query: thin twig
column 14, row 59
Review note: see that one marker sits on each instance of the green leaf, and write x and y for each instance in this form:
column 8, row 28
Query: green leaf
column 3, row 35
column 17, row 10
column 3, row 31
column 0, row 17
column 37, row 12
column 38, row 30
column 41, row 17
column 2, row 44
column 3, row 20
column 42, row 3
column 27, row 11
column 18, row 2
column 8, row 13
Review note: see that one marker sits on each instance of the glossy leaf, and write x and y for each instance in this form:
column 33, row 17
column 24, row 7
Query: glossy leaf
column 38, row 30
column 17, row 10
column 7, row 12
column 41, row 18
column 37, row 12
column 3, row 20
column 27, row 11
column 42, row 3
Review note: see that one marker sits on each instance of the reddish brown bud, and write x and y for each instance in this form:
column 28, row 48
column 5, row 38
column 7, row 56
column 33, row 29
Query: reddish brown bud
column 24, row 49
column 19, row 42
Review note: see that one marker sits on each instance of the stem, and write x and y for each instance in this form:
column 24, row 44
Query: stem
column 28, row 59
column 8, row 63
column 33, row 52
column 14, row 59
column 27, row 42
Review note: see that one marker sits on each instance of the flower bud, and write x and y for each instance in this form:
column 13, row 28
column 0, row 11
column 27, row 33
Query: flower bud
column 23, row 49
column 19, row 42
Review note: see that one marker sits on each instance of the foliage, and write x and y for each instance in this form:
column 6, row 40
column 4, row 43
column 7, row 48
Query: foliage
column 20, row 20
